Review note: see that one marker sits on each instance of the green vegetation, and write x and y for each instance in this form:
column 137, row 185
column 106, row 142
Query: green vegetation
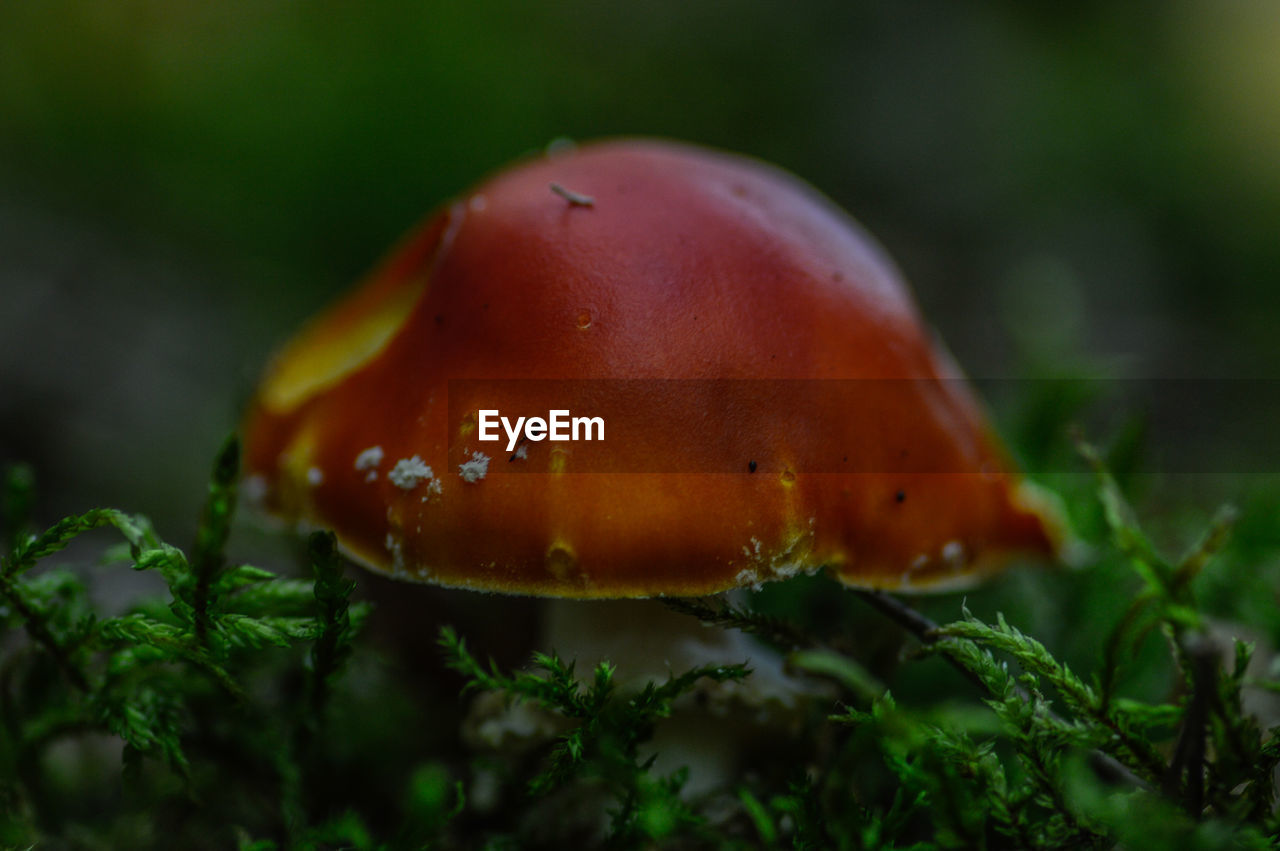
column 240, row 707
column 1082, row 195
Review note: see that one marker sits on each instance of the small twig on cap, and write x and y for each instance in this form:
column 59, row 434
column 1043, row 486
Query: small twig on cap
column 575, row 199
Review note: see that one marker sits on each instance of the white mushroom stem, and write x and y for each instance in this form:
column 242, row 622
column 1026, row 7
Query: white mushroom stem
column 647, row 642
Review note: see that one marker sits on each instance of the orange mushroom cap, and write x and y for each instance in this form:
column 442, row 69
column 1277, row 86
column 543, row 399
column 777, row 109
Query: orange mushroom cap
column 621, row 266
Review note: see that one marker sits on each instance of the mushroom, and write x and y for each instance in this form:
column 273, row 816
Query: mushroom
column 773, row 401
column 687, row 264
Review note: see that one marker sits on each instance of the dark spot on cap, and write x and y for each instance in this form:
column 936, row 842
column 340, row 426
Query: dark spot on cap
column 439, row 318
column 900, row 496
column 751, row 465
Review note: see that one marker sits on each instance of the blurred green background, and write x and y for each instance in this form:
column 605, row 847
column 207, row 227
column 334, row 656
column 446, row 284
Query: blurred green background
column 1085, row 188
column 1073, row 189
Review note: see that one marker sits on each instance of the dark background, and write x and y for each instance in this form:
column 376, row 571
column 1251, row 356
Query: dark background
column 1073, row 189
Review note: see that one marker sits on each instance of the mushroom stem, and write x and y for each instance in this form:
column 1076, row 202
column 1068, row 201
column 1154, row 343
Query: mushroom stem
column 646, row 641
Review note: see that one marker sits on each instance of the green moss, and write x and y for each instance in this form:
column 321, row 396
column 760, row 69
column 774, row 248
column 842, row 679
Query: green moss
column 236, row 710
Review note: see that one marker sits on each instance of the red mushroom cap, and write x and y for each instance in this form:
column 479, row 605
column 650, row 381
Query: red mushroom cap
column 641, row 261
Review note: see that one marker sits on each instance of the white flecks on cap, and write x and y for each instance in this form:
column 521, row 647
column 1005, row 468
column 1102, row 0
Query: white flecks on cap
column 397, row 554
column 369, row 460
column 953, row 554
column 434, row 486
column 474, row 470
column 786, row 570
column 314, row 476
column 408, row 472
